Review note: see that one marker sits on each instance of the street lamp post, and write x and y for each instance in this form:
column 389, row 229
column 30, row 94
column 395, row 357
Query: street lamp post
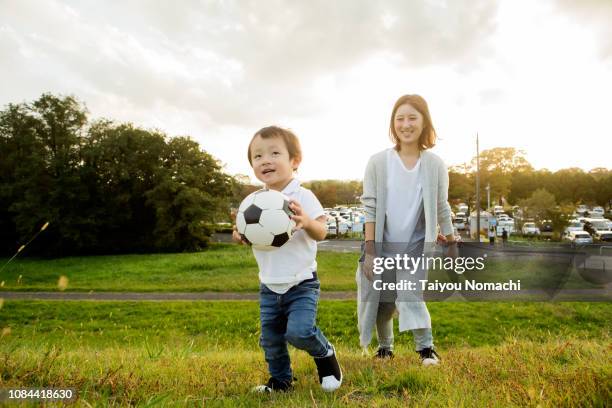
column 477, row 191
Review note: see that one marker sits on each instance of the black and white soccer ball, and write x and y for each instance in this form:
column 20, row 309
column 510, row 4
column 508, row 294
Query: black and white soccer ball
column 264, row 219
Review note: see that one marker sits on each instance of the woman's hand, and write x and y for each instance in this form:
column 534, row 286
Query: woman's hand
column 367, row 268
column 452, row 251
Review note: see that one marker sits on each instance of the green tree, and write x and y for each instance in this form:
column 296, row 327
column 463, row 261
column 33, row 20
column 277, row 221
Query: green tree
column 103, row 187
column 193, row 191
column 43, row 152
column 539, row 204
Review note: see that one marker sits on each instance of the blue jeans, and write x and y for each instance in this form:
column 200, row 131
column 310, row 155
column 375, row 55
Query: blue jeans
column 290, row 318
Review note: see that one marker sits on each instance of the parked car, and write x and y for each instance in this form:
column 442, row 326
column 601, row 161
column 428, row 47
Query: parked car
column 346, row 219
column 599, row 229
column 546, row 226
column 507, row 225
column 529, row 228
column 341, row 225
column 462, row 208
column 504, row 217
column 597, row 210
column 459, row 223
column 574, row 225
column 579, row 237
column 582, row 209
column 331, row 227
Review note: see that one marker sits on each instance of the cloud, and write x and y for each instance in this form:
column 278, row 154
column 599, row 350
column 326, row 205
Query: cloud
column 595, row 14
column 228, row 62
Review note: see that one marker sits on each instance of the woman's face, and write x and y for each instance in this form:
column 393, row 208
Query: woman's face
column 408, row 123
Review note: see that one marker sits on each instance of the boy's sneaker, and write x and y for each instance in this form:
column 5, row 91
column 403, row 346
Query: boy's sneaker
column 330, row 374
column 429, row 356
column 384, row 353
column 274, row 385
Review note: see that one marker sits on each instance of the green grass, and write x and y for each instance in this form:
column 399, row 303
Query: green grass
column 193, row 353
column 224, row 267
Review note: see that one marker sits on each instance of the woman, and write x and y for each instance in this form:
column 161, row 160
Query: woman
column 405, row 196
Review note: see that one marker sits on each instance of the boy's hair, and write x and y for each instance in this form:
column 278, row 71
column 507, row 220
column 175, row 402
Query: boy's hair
column 291, row 141
column 427, row 140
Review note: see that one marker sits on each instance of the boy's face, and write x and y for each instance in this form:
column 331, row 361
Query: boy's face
column 271, row 162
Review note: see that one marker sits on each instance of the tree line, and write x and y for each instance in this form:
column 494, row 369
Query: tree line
column 512, row 179
column 107, row 187
column 103, row 187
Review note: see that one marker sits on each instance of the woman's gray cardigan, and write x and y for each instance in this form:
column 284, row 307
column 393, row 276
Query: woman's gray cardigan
column 413, row 313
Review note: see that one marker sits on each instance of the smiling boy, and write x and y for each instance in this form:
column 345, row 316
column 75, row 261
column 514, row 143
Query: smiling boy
column 290, row 288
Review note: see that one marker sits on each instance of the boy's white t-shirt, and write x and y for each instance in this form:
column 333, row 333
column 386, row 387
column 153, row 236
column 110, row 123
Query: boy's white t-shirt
column 404, row 199
column 282, row 268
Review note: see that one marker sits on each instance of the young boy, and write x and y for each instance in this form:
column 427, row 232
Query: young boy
column 289, row 289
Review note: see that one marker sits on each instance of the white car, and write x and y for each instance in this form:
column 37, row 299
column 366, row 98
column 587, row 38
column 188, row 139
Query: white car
column 337, row 225
column 508, row 225
column 459, row 223
column 331, row 227
column 597, row 211
column 529, row 228
column 582, row 209
column 574, row 225
column 504, row 217
column 599, row 229
column 579, row 237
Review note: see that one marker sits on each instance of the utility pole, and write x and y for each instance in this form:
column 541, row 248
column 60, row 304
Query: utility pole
column 488, row 196
column 477, row 190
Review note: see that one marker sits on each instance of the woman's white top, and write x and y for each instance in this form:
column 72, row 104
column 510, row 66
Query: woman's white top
column 404, row 200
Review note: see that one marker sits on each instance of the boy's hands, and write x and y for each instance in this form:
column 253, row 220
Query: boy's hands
column 316, row 229
column 236, row 237
column 302, row 220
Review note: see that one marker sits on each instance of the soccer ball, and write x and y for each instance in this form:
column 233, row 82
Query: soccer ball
column 264, row 219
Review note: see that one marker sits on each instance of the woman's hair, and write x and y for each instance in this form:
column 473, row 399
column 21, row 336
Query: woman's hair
column 291, row 141
column 427, row 140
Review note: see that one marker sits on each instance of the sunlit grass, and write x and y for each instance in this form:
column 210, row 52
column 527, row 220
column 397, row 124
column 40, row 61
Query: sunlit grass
column 182, row 353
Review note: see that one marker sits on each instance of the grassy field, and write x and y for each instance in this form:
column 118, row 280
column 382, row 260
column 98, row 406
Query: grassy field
column 222, row 268
column 166, row 353
column 206, row 353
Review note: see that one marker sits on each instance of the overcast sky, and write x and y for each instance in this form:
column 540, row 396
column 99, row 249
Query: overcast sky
column 536, row 75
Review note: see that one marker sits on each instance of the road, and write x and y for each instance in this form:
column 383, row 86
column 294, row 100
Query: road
column 327, row 245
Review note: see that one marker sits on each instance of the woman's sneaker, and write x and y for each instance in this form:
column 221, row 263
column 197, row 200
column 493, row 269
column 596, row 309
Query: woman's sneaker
column 274, row 385
column 384, row 353
column 429, row 356
column 330, row 374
